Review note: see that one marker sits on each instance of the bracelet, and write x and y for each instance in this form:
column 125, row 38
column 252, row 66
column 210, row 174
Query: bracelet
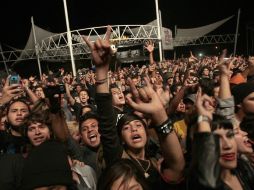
column 202, row 118
column 101, row 81
column 165, row 128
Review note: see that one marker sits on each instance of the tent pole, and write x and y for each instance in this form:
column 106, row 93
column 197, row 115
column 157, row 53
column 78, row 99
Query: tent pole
column 162, row 49
column 159, row 26
column 236, row 32
column 174, row 44
column 247, row 41
column 36, row 47
column 6, row 68
column 69, row 38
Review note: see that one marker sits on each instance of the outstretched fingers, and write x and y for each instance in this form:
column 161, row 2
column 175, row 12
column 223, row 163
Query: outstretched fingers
column 108, row 33
column 88, row 43
column 134, row 91
column 149, row 88
column 6, row 84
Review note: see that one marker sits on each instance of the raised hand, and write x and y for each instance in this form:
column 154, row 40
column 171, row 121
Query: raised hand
column 149, row 45
column 223, row 56
column 192, row 58
column 203, row 102
column 164, row 95
column 225, row 65
column 10, row 91
column 31, row 78
column 101, row 49
column 147, row 101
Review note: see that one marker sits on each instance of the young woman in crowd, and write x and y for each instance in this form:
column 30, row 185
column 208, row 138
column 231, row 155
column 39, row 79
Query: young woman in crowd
column 214, row 158
column 122, row 175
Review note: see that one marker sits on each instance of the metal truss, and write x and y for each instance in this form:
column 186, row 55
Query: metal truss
column 55, row 48
column 14, row 55
column 204, row 40
column 121, row 35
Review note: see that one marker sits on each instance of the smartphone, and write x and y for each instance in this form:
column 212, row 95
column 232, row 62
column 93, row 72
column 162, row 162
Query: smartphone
column 14, row 79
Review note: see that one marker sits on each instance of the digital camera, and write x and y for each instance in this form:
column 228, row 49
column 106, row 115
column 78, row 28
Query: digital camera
column 52, row 90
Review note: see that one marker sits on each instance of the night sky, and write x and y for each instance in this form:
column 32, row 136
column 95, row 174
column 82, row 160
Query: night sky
column 49, row 14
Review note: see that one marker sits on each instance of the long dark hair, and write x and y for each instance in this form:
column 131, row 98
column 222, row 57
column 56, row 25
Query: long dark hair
column 8, row 125
column 217, row 123
column 220, row 122
column 23, row 100
column 125, row 119
column 123, row 168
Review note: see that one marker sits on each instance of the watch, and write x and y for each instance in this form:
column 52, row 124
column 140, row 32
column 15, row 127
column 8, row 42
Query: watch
column 165, row 128
column 202, row 118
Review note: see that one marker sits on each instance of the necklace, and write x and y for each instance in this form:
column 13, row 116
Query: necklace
column 145, row 170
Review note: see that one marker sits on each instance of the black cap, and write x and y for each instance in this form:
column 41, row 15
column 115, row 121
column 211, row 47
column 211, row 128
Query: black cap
column 241, row 91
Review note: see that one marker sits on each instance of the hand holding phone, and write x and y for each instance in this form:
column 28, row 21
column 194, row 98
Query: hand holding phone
column 14, row 79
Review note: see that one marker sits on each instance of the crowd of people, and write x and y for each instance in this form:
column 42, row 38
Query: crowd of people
column 176, row 124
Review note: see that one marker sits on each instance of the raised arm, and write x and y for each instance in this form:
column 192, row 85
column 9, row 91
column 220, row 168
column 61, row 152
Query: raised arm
column 205, row 168
column 68, row 93
column 224, row 67
column 192, row 58
column 9, row 92
column 149, row 45
column 225, row 102
column 176, row 100
column 101, row 54
column 146, row 100
column 30, row 93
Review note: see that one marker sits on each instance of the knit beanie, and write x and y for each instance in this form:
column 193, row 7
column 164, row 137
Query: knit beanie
column 47, row 165
column 241, row 91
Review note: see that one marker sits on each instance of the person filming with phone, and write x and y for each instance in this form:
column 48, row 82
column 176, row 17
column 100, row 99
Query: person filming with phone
column 15, row 106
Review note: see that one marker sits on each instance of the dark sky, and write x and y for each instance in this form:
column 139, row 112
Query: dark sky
column 49, row 14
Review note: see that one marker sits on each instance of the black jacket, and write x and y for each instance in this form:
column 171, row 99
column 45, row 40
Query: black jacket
column 11, row 166
column 11, row 144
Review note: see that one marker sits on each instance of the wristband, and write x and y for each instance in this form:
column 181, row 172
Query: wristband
column 202, row 118
column 165, row 128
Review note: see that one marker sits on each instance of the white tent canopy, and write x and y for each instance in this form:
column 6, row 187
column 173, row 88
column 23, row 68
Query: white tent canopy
column 40, row 35
column 195, row 33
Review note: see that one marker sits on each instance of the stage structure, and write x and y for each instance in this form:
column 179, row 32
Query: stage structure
column 54, row 47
